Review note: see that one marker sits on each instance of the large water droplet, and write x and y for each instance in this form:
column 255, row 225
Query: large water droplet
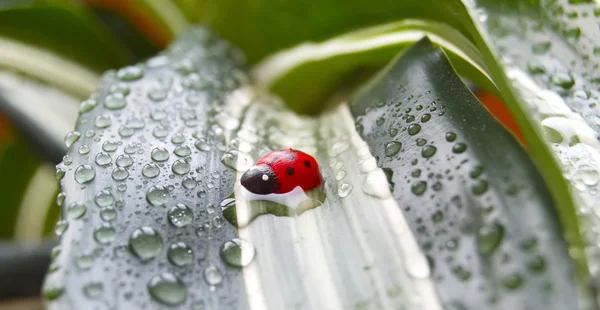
column 104, row 198
column 490, row 237
column 180, row 254
column 124, row 161
column 130, row 73
column 182, row 151
column 180, row 215
column 108, row 213
column 159, row 154
column 151, row 170
column 120, row 174
column 237, row 252
column 419, row 188
column 103, row 159
column 414, row 129
column 103, row 121
column 60, row 227
column 84, row 261
column 202, row 145
column 145, row 243
column 158, row 195
column 76, row 210
column 87, row 105
column 105, row 233
column 392, row 148
column 93, row 289
column 480, row 187
column 84, row 174
column 459, row 148
column 180, row 167
column 59, row 174
column 52, row 292
column 71, row 138
column 167, row 289
column 115, row 101
column 450, row 136
column 428, row 151
column 564, row 80
column 83, row 149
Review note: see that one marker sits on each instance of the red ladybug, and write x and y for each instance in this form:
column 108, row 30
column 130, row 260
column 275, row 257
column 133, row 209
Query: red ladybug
column 281, row 171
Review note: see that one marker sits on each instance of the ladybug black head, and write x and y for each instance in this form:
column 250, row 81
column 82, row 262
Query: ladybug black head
column 260, row 179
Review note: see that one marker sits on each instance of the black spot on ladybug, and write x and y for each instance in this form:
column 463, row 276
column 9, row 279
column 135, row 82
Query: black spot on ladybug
column 290, row 170
column 307, row 163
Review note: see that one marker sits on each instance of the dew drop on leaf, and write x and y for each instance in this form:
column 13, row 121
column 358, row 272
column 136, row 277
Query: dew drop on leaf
column 392, row 148
column 167, row 289
column 180, row 215
column 237, row 252
column 105, row 233
column 84, row 174
column 159, row 154
column 180, row 254
column 71, row 138
column 93, row 289
column 158, row 195
column 150, row 170
column 145, row 243
column 344, row 189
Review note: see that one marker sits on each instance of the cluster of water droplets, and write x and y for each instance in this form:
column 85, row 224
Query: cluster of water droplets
column 142, row 179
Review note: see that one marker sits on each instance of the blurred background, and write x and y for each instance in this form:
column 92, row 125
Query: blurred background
column 52, row 54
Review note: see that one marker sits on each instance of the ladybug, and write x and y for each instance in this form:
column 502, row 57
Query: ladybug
column 281, row 171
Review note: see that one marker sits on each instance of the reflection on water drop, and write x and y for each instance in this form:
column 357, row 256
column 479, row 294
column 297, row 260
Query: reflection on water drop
column 105, row 233
column 60, row 227
column 76, row 210
column 344, row 189
column 71, row 138
column 392, row 148
column 180, row 215
column 159, row 154
column 151, row 170
column 158, row 195
column 212, row 275
column 237, row 252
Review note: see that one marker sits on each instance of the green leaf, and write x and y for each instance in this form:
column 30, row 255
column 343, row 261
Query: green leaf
column 17, row 166
column 195, row 97
column 66, row 30
column 479, row 208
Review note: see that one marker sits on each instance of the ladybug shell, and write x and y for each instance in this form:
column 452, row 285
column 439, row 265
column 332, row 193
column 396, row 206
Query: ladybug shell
column 289, row 167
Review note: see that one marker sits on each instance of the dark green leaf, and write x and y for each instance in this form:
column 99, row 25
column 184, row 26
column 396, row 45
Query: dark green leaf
column 479, row 208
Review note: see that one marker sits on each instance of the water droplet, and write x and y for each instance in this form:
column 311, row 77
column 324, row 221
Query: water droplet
column 535, row 67
column 93, row 289
column 512, row 282
column 150, row 170
column 87, row 105
column 541, row 47
column 340, row 175
column 115, row 101
column 119, row 88
column 103, row 121
column 392, row 148
column 182, row 151
column 159, row 154
column 428, row 151
column 130, row 73
column 145, row 243
column 180, row 167
column 588, row 175
column 55, row 251
column 103, row 159
column 425, row 118
column 71, row 138
column 437, row 216
column 110, row 146
column 105, row 233
column 158, row 195
column 189, row 183
column 124, row 161
column 84, row 174
column 212, row 275
column 237, row 160
column 414, row 129
column 167, row 289
column 157, row 94
column 104, row 198
column 237, row 252
column 59, row 174
column 344, row 189
column 76, row 210
column 180, row 215
column 419, row 188
column 67, row 160
column 160, row 132
column 60, row 198
column 536, row 264
column 202, row 145
column 83, row 149
column 60, row 227
column 459, row 148
column 178, row 138
column 393, row 132
column 135, row 123
column 120, row 174
column 450, row 136
column 52, row 292
column 480, row 187
column 476, row 171
column 462, row 273
column 84, row 261
column 572, row 33
column 564, row 80
column 180, row 254
column 490, row 237
column 108, row 213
